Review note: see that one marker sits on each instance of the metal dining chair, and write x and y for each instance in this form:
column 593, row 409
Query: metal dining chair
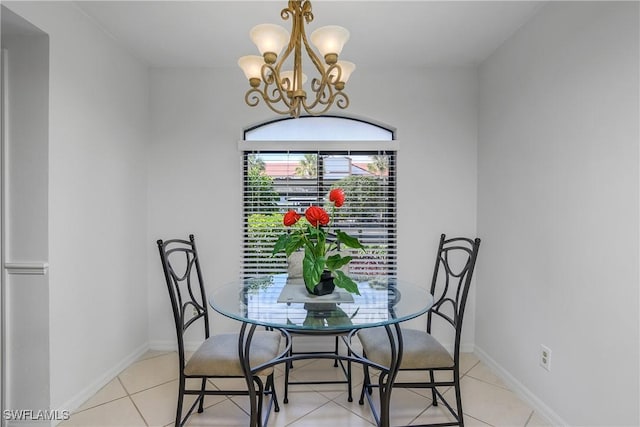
column 422, row 352
column 217, row 356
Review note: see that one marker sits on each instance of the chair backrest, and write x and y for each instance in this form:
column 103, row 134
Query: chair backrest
column 455, row 262
column 183, row 275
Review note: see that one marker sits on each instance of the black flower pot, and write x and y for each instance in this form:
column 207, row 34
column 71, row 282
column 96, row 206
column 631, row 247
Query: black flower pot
column 326, row 285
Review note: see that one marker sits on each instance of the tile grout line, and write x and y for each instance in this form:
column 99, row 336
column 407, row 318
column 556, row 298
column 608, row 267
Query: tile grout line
column 334, row 399
column 348, row 409
column 478, row 419
column 148, row 388
column 490, row 383
column 108, row 401
column 467, row 374
column 133, row 402
column 526, row 423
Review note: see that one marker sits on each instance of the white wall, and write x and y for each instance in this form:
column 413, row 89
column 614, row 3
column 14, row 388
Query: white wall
column 195, row 168
column 558, row 207
column 25, row 183
column 98, row 112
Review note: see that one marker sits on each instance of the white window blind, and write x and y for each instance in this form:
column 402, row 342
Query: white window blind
column 276, row 181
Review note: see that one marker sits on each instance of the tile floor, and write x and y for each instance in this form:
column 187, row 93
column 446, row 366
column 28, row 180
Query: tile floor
column 145, row 393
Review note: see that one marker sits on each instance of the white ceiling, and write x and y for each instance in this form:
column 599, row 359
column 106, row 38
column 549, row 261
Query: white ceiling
column 383, row 33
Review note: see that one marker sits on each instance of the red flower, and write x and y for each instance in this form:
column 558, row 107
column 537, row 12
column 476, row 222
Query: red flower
column 316, row 216
column 291, row 218
column 337, row 197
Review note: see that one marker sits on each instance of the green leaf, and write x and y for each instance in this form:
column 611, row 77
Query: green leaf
column 282, row 242
column 295, row 242
column 348, row 240
column 318, row 239
column 343, row 281
column 312, row 268
column 321, row 249
column 313, row 231
column 337, row 261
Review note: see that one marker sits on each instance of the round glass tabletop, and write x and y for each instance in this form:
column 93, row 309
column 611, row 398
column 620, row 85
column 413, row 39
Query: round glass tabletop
column 279, row 302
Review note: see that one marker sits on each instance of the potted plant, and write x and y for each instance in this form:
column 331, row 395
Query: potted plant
column 322, row 259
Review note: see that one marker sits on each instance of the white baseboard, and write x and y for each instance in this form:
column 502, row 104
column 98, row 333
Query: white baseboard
column 81, row 397
column 523, row 392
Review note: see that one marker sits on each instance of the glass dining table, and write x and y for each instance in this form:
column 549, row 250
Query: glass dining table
column 283, row 304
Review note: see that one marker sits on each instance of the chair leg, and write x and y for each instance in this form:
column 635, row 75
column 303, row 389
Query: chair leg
column 459, row 400
column 335, row 361
column 260, row 395
column 433, row 389
column 271, row 387
column 201, row 397
column 287, row 367
column 180, row 399
column 350, row 398
column 365, row 385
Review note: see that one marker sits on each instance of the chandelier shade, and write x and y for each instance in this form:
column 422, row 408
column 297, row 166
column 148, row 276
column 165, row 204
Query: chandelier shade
column 346, row 68
column 269, row 38
column 283, row 91
column 251, row 65
column 330, row 40
column 289, row 81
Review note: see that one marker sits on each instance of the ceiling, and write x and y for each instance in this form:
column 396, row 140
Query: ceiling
column 383, row 33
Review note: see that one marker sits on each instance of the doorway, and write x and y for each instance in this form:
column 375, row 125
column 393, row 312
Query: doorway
column 24, row 174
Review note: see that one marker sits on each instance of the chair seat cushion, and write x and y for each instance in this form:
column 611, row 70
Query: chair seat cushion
column 420, row 349
column 218, row 355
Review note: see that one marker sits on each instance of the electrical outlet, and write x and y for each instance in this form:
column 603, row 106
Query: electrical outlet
column 545, row 357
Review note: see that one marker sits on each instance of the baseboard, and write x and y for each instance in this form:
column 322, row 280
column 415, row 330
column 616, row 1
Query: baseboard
column 77, row 400
column 523, row 392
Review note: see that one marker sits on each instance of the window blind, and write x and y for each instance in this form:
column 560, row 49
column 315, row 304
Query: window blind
column 277, row 181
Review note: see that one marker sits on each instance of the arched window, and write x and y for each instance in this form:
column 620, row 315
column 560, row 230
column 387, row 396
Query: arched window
column 294, row 163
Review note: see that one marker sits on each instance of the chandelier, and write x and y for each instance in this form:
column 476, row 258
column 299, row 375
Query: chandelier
column 282, row 89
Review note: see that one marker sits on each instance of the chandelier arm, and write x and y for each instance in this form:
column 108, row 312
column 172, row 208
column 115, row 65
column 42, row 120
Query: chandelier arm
column 325, row 88
column 288, row 11
column 338, row 75
column 270, row 77
column 312, row 55
column 316, row 112
column 291, row 46
column 340, row 99
column 270, row 85
column 324, row 92
column 290, row 111
column 251, row 97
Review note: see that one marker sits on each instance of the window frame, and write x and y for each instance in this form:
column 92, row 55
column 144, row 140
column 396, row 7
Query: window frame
column 324, row 148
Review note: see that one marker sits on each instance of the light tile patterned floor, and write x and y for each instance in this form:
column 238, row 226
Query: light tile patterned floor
column 145, row 394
